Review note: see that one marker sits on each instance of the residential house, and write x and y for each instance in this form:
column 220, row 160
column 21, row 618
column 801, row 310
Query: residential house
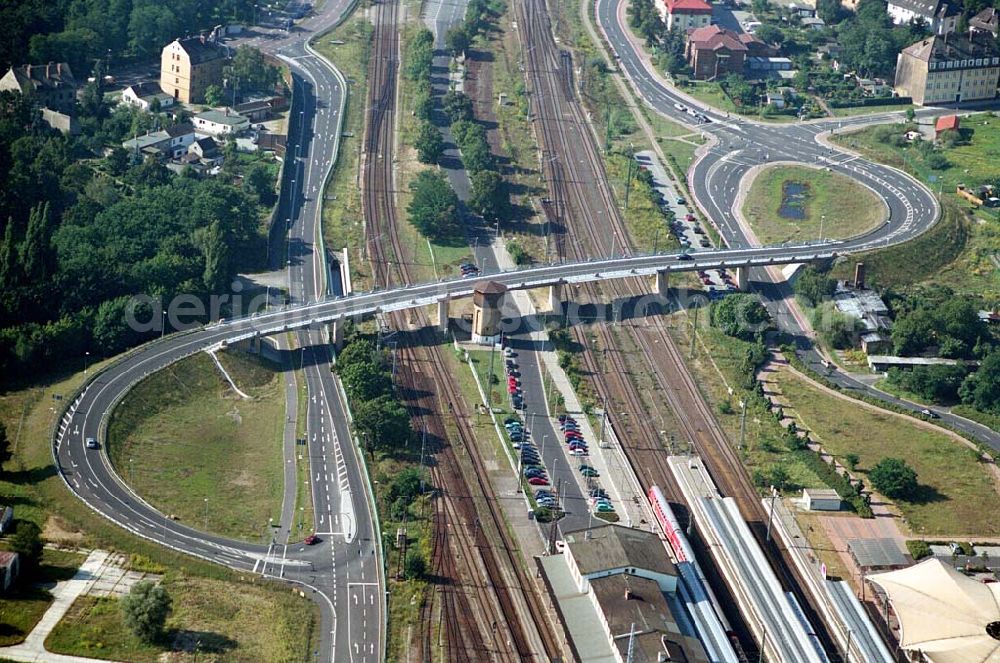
column 51, row 85
column 188, row 66
column 10, row 566
column 756, row 64
column 258, row 110
column 169, row 143
column 986, row 21
column 714, row 52
column 941, row 70
column 220, row 123
column 685, row 15
column 802, row 11
column 206, row 150
column 774, row 99
column 142, row 95
column 873, row 87
column 813, row 23
column 868, row 308
column 940, row 16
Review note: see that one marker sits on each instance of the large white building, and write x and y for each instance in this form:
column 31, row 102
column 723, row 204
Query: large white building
column 685, row 15
column 939, row 15
column 949, row 70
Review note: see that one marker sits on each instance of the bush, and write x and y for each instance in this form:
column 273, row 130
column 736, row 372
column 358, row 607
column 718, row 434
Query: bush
column 145, row 609
column 918, row 549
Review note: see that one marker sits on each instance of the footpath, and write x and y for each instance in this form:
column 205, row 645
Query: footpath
column 65, row 593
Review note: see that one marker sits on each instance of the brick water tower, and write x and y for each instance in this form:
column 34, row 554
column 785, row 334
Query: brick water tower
column 486, row 312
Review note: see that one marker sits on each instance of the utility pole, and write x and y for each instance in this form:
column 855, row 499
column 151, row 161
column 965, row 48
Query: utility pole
column 694, row 330
column 770, row 512
column 489, row 379
column 743, row 422
column 206, row 514
column 763, row 642
column 604, row 421
column 607, row 127
column 628, row 181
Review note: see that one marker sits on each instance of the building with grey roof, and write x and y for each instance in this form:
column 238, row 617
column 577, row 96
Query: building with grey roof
column 871, row 554
column 986, row 21
column 613, row 549
column 51, row 85
column 634, row 611
column 949, row 70
column 613, row 586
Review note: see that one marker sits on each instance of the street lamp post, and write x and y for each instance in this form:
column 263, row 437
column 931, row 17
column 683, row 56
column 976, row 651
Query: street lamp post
column 86, row 362
column 206, row 514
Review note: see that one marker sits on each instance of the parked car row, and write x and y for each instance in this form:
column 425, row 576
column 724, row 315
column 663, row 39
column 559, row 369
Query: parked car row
column 513, row 379
column 598, row 497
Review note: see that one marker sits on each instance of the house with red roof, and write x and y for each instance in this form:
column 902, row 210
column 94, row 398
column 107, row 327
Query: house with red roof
column 714, row 52
column 945, row 123
column 685, row 14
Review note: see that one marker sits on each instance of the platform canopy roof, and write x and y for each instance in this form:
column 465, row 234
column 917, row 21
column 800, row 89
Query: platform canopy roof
column 943, row 613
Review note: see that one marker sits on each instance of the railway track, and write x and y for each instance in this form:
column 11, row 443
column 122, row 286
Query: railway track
column 586, row 208
column 484, row 597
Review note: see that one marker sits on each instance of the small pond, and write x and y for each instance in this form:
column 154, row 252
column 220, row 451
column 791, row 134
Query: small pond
column 793, row 200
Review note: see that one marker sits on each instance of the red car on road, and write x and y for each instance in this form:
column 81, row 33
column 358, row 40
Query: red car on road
column 538, row 481
column 311, row 540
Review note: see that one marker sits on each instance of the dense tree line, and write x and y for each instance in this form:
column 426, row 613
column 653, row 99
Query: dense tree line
column 741, row 316
column 80, row 234
column 380, row 420
column 81, row 31
column 935, row 317
column 434, row 208
column 870, row 41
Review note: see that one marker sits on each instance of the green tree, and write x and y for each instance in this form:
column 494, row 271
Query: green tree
column 214, row 95
column 458, row 40
column 433, row 209
column 145, row 609
column 259, row 182
column 365, row 381
column 429, row 143
column 382, row 424
column 894, row 478
column 250, row 71
column 981, row 389
column 419, row 56
column 814, row 286
column 117, row 161
column 36, row 250
column 769, row 34
column 457, row 106
column 405, row 485
column 852, row 461
column 216, row 248
column 27, row 542
column 740, row 315
column 415, row 566
column 489, row 195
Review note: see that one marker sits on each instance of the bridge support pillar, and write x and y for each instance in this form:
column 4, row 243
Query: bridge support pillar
column 337, row 334
column 555, row 298
column 442, row 315
column 743, row 278
column 662, row 283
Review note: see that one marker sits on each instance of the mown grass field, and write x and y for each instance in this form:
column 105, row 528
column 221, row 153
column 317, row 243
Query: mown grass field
column 183, row 436
column 843, row 207
column 958, row 496
column 210, row 622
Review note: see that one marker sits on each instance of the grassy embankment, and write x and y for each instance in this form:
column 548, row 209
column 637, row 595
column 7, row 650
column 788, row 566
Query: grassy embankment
column 961, row 250
column 183, row 435
column 342, row 220
column 716, row 367
column 843, row 207
column 957, row 494
column 39, row 495
column 209, row 622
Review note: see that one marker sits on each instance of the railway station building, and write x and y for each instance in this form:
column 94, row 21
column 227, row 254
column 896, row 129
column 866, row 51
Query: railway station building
column 615, row 590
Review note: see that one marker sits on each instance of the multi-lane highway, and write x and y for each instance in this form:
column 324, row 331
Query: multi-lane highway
column 736, row 145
